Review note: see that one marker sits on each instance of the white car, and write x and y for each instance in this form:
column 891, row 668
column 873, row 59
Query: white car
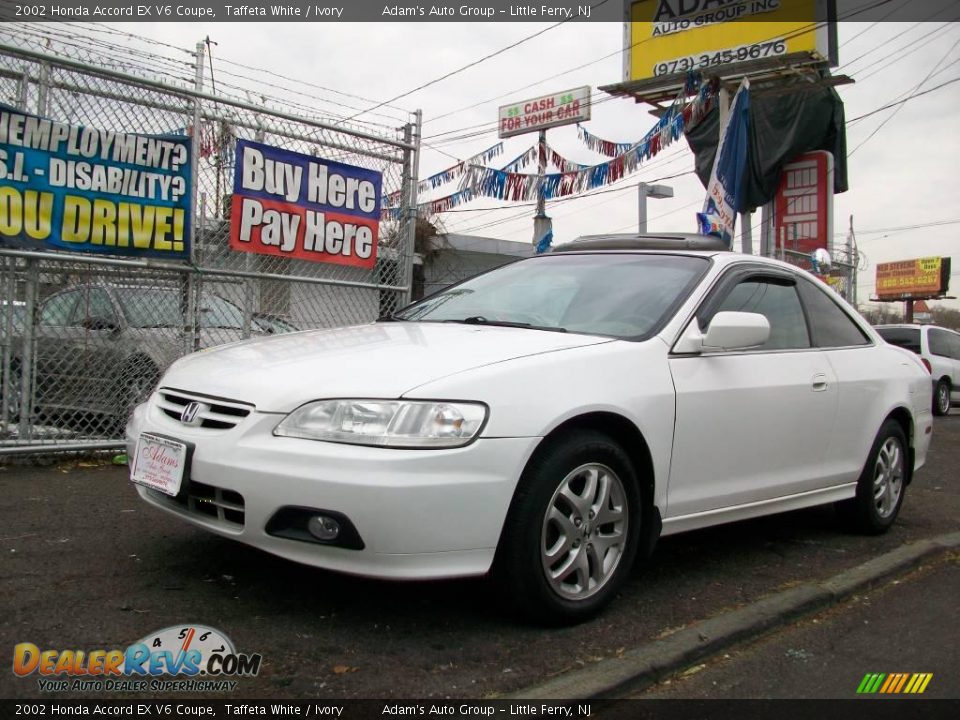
column 939, row 348
column 544, row 422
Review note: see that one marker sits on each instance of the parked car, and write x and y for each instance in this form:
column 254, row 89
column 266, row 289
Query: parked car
column 273, row 324
column 100, row 348
column 544, row 422
column 940, row 350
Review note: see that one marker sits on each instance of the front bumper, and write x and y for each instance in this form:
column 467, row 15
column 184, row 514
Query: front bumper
column 420, row 513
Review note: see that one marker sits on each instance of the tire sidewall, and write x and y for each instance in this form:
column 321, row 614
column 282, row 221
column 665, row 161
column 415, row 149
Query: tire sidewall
column 870, row 519
column 942, row 390
column 540, row 480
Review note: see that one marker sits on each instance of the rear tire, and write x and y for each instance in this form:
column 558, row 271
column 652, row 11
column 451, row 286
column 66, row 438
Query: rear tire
column 571, row 536
column 941, row 398
column 881, row 486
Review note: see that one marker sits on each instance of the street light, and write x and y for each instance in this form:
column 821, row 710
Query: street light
column 654, row 191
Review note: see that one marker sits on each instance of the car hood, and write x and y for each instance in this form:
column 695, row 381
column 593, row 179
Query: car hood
column 280, row 373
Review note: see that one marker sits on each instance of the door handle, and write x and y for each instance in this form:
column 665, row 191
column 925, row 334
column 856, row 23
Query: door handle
column 819, row 382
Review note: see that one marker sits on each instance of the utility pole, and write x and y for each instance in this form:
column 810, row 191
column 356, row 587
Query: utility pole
column 542, row 225
column 854, row 260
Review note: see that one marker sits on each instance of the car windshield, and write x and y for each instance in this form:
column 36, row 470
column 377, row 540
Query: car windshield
column 159, row 307
column 615, row 294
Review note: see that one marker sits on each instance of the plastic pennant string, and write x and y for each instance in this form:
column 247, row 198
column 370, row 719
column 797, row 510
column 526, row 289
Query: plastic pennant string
column 604, row 147
column 573, row 178
column 448, row 175
column 525, row 158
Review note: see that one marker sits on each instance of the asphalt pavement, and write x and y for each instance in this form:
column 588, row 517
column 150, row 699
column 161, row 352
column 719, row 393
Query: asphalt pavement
column 86, row 565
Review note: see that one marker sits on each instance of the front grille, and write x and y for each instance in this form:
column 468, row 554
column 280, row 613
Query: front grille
column 223, row 506
column 213, row 413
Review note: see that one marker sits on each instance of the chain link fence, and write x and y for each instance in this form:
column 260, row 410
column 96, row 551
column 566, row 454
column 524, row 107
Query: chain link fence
column 86, row 337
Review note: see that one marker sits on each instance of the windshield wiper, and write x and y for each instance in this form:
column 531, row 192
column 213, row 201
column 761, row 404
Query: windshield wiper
column 481, row 320
column 391, row 317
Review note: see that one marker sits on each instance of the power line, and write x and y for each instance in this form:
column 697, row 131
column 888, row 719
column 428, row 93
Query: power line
column 474, row 63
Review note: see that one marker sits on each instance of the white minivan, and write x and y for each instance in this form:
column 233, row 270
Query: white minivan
column 940, row 350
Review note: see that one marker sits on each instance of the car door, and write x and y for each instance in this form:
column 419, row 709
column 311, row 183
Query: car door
column 102, row 348
column 861, row 378
column 59, row 356
column 751, row 425
column 944, row 354
column 954, row 346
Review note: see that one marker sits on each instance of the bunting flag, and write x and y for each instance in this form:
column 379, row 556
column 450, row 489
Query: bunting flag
column 574, row 178
column 561, row 163
column 479, row 180
column 604, row 147
column 448, row 175
column 521, row 161
column 431, row 207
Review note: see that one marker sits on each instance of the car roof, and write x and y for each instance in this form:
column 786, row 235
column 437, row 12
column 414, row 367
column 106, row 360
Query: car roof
column 644, row 241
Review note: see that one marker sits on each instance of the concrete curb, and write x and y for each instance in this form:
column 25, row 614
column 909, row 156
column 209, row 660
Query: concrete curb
column 643, row 666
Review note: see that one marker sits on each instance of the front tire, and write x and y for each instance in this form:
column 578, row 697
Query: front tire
column 881, row 486
column 572, row 532
column 941, row 398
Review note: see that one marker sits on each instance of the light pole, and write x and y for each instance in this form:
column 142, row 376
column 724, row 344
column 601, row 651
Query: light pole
column 654, row 191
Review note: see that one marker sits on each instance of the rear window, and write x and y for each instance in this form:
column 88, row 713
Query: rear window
column 908, row 338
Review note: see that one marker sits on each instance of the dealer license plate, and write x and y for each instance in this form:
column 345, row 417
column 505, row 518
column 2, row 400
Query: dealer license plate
column 159, row 463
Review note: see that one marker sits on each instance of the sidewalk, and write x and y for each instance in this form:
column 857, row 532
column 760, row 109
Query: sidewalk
column 639, row 668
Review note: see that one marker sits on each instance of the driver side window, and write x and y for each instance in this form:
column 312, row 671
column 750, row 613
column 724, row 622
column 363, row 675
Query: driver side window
column 775, row 299
column 58, row 310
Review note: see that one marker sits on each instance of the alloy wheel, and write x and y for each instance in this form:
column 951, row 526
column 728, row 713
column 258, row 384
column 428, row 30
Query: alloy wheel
column 888, row 477
column 584, row 531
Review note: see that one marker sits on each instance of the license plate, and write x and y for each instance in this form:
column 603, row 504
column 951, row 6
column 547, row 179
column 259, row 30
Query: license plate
column 160, row 463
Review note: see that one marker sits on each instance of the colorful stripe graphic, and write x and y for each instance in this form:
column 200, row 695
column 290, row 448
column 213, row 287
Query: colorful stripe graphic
column 893, row 683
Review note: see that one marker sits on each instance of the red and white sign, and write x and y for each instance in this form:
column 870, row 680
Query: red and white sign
column 302, row 207
column 562, row 108
column 803, row 206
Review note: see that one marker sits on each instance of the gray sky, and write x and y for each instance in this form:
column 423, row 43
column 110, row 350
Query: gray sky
column 903, row 176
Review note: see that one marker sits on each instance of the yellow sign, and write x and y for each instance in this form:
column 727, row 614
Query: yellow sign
column 911, row 278
column 665, row 37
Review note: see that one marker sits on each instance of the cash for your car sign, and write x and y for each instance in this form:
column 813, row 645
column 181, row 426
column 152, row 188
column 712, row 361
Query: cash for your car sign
column 293, row 205
column 78, row 188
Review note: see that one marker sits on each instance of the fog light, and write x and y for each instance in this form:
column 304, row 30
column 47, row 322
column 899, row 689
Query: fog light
column 323, row 527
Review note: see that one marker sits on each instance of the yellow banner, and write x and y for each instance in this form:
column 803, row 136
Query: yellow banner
column 676, row 36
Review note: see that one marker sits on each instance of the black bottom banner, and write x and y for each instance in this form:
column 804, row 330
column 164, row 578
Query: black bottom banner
column 868, row 709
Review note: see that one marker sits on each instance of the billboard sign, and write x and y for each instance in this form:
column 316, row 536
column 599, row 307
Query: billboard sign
column 71, row 187
column 667, row 37
column 927, row 277
column 298, row 206
column 803, row 205
column 547, row 111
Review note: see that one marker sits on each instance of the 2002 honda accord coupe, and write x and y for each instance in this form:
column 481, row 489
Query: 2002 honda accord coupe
column 544, row 422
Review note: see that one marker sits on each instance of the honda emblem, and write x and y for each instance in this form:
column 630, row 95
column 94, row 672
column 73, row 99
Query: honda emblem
column 189, row 414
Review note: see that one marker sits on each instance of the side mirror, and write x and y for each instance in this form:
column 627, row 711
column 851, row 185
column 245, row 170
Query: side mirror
column 736, row 331
column 727, row 331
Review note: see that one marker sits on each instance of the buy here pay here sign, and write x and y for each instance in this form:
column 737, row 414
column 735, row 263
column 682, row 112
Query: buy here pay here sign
column 288, row 204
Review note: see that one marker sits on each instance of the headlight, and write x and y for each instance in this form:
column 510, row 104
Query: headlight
column 387, row 423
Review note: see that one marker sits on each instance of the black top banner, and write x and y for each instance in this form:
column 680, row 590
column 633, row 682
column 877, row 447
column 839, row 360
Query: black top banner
column 551, row 11
column 486, row 709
